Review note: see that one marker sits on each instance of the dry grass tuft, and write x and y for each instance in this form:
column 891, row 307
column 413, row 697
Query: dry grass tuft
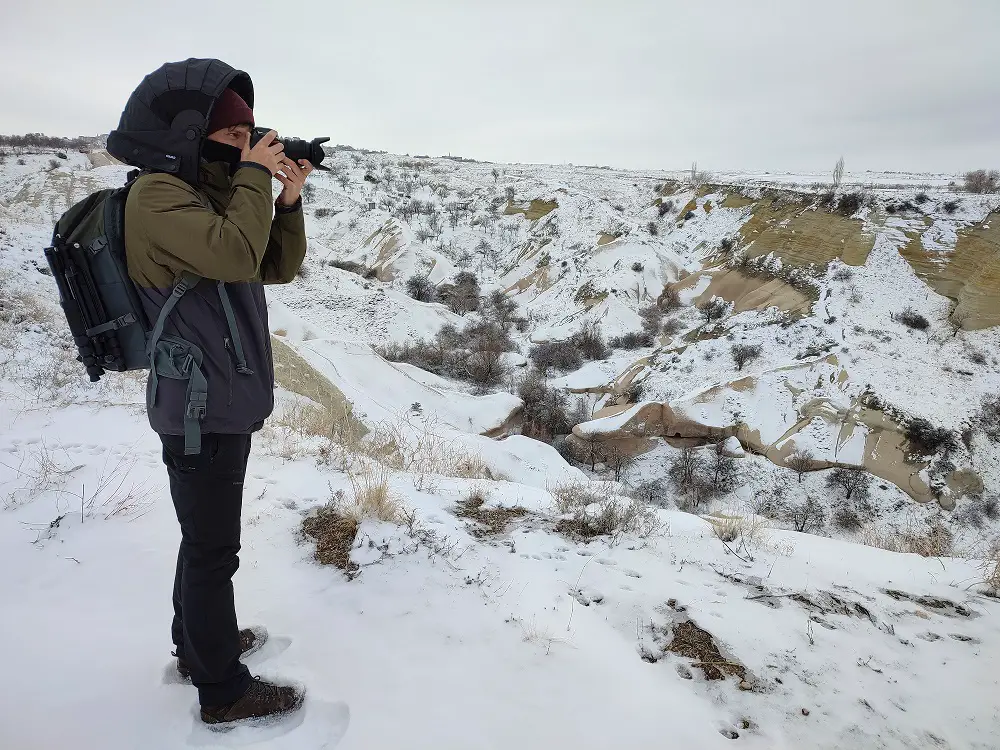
column 572, row 496
column 488, row 521
column 371, row 497
column 750, row 531
column 933, row 541
column 991, row 572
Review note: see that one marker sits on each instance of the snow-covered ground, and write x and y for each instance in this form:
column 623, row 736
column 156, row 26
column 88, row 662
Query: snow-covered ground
column 526, row 636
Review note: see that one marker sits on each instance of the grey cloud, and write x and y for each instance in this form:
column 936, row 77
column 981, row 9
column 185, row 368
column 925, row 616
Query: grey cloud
column 771, row 84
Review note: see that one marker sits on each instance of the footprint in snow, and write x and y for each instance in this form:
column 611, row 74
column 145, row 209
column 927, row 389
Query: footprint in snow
column 607, row 562
column 928, row 636
column 632, row 573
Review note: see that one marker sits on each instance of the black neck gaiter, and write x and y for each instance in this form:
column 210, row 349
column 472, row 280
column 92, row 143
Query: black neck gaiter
column 212, row 151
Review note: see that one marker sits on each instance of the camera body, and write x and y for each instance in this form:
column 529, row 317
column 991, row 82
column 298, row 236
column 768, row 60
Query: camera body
column 295, row 148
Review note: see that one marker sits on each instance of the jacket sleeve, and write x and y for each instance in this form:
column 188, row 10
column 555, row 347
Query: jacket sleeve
column 186, row 234
column 286, row 247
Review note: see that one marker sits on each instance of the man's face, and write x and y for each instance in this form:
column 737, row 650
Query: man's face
column 235, row 135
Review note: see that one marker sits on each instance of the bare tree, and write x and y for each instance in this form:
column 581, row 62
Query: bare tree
column 853, row 481
column 343, row 180
column 957, row 321
column 743, row 353
column 723, row 469
column 496, row 175
column 588, row 449
column 618, row 460
column 686, row 469
column 838, row 173
column 800, row 462
column 806, row 517
column 486, row 366
column 509, row 193
column 982, row 181
column 714, row 309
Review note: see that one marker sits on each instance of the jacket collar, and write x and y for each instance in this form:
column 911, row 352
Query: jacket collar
column 215, row 174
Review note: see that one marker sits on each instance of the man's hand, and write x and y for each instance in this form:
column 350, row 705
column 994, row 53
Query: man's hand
column 293, row 177
column 268, row 153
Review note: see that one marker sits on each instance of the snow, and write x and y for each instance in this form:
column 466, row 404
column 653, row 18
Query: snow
column 530, row 638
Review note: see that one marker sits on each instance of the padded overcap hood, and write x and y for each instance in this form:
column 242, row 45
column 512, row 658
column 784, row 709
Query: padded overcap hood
column 165, row 119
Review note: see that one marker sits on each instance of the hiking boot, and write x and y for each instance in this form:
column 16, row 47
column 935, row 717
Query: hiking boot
column 262, row 699
column 251, row 639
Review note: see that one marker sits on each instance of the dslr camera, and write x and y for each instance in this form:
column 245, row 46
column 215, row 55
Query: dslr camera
column 295, row 148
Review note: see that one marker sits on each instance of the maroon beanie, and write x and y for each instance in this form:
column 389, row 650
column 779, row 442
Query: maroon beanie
column 229, row 110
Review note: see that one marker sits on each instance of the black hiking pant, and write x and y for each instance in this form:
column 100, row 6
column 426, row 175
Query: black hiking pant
column 207, row 491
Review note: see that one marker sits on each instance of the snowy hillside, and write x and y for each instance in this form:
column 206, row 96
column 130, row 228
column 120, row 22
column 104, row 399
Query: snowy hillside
column 445, row 562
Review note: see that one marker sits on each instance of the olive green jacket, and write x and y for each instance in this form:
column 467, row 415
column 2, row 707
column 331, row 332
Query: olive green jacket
column 225, row 230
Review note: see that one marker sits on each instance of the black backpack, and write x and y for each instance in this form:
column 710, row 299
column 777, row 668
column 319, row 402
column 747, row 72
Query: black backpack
column 103, row 309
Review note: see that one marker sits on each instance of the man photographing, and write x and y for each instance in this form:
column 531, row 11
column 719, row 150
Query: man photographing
column 202, row 236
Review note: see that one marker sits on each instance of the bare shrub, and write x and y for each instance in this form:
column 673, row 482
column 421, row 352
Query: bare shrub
column 638, row 267
column 743, row 353
column 420, row 288
column 849, row 203
column 558, row 355
column 950, row 207
column 653, row 228
column 670, row 299
column 463, row 295
column 713, row 309
column 544, row 413
column 927, row 439
column 664, row 208
column 610, row 516
column 590, row 341
column 672, row 326
column 652, row 319
column 975, row 511
column 807, row 517
column 982, row 181
column 854, row 482
column 632, row 340
column 846, row 517
column 912, row 319
column 800, row 462
column 987, row 418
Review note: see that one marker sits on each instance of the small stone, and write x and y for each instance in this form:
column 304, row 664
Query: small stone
column 745, row 685
column 805, row 711
column 671, row 603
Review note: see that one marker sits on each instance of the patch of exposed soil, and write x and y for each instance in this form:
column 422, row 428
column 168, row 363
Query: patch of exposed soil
column 334, row 535
column 696, row 643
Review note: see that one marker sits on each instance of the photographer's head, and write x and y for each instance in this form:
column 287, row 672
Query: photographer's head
column 231, row 120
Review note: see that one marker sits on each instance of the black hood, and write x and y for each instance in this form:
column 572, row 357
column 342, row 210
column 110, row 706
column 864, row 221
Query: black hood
column 164, row 122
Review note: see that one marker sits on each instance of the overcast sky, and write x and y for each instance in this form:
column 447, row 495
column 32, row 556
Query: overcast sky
column 734, row 84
